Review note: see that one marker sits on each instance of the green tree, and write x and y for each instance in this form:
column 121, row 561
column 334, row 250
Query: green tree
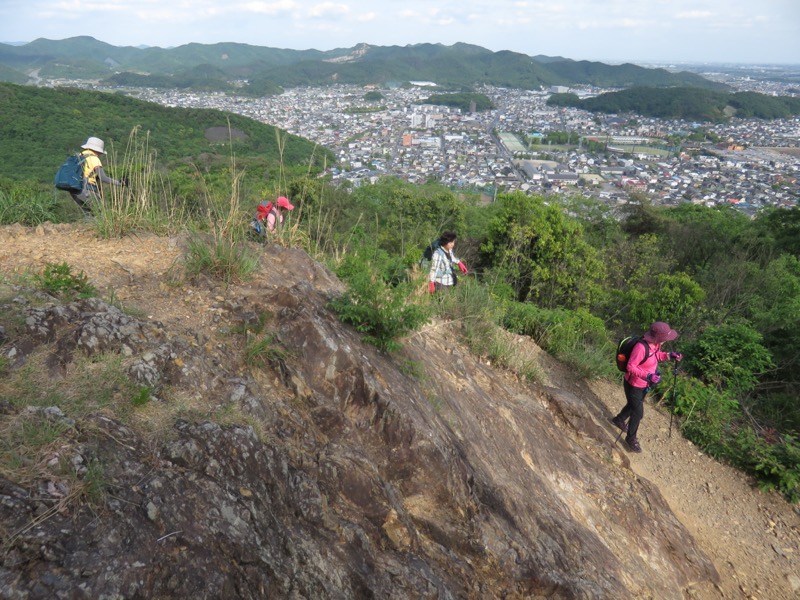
column 781, row 227
column 541, row 253
column 408, row 217
column 701, row 238
column 673, row 298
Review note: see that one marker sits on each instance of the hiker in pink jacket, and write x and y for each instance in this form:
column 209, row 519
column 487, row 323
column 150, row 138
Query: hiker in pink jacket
column 270, row 214
column 642, row 373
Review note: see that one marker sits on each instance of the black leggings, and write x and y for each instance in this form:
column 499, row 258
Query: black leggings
column 633, row 409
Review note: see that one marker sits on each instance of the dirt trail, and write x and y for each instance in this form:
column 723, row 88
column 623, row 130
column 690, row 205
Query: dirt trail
column 752, row 537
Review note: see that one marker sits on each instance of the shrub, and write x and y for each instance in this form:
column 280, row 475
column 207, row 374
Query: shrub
column 58, row 280
column 382, row 312
column 775, row 463
column 222, row 258
column 729, row 356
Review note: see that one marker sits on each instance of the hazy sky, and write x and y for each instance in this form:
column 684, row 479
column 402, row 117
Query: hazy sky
column 743, row 31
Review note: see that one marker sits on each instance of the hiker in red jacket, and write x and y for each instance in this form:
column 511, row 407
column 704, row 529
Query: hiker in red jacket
column 271, row 214
column 642, row 373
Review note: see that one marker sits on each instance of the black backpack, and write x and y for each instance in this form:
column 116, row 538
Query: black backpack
column 69, row 176
column 427, row 254
column 624, row 349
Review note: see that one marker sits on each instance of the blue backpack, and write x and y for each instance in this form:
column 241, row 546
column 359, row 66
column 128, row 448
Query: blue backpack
column 69, row 176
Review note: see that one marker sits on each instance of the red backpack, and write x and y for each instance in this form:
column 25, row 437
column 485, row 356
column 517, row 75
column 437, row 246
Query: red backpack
column 264, row 209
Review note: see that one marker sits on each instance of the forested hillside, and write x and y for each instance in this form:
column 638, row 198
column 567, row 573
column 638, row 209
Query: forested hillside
column 689, row 103
column 40, row 126
column 267, row 70
column 462, row 101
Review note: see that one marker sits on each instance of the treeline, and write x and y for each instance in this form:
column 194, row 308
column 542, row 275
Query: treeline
column 689, row 103
column 461, row 100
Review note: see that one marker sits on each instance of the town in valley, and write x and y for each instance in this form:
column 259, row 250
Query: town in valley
column 746, row 163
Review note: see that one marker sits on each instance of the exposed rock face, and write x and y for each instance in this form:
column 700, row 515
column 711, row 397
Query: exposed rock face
column 367, row 483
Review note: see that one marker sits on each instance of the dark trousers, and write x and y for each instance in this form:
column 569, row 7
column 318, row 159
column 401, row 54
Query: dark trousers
column 634, row 409
column 86, row 199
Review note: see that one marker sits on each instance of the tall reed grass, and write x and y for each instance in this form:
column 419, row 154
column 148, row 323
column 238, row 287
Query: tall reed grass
column 146, row 202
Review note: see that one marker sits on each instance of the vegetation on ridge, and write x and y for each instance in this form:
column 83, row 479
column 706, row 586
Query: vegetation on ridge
column 41, row 126
column 690, row 103
column 462, row 100
column 266, row 70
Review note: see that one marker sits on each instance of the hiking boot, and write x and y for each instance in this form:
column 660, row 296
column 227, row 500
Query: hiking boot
column 620, row 424
column 633, row 444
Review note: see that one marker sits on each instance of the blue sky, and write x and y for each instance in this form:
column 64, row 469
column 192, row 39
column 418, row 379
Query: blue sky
column 742, row 31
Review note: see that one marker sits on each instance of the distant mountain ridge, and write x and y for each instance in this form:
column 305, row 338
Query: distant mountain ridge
column 267, row 70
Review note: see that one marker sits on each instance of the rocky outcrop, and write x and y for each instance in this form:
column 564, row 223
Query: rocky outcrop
column 352, row 480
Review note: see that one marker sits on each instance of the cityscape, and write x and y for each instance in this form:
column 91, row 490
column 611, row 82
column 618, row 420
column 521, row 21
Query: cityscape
column 750, row 164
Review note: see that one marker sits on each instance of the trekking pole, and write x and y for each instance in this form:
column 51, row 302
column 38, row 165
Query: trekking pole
column 619, row 435
column 674, row 391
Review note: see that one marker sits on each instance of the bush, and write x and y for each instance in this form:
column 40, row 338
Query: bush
column 729, row 356
column 58, row 280
column 382, row 312
column 776, row 463
column 221, row 258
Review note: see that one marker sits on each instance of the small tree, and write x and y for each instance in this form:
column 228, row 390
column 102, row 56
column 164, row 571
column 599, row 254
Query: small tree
column 541, row 252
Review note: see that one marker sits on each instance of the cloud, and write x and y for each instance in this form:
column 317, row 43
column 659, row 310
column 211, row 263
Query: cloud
column 694, row 14
column 326, row 9
column 265, row 8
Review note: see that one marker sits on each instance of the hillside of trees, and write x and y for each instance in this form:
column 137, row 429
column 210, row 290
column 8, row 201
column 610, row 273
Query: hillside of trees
column 42, row 125
column 461, row 100
column 688, row 103
column 267, row 70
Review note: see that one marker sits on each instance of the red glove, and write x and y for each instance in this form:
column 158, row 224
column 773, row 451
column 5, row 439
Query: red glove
column 463, row 267
column 431, row 287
